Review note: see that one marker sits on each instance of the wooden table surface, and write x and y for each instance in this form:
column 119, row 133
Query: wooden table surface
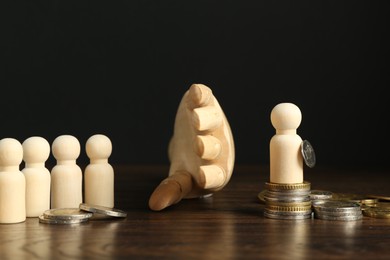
column 228, row 225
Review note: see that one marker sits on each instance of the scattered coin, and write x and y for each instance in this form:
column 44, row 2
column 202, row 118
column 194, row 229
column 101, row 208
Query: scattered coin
column 381, row 205
column 340, row 218
column 338, row 213
column 359, row 198
column 368, row 202
column 379, row 197
column 308, row 153
column 340, row 206
column 45, row 220
column 105, row 211
column 377, row 212
column 66, row 214
column 317, row 202
column 320, row 194
column 338, row 210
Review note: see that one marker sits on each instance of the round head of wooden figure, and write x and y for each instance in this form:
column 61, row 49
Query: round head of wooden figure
column 286, row 116
column 66, row 147
column 11, row 153
column 98, row 146
column 201, row 150
column 36, row 149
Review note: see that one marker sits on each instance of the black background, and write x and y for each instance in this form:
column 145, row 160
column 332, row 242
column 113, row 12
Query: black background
column 120, row 68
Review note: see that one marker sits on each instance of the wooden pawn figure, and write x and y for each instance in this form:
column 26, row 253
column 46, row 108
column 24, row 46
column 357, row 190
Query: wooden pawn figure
column 12, row 182
column 99, row 174
column 36, row 151
column 286, row 161
column 66, row 175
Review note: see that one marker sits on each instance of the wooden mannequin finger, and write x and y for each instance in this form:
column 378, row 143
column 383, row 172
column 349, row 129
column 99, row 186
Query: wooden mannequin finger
column 170, row 191
column 211, row 176
column 207, row 147
column 201, row 149
column 206, row 118
column 199, row 95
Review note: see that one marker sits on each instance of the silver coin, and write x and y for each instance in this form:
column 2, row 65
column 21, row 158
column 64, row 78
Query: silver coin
column 287, row 213
column 338, row 213
column 66, row 214
column 317, row 202
column 292, row 217
column 288, row 193
column 341, row 218
column 334, row 205
column 45, row 220
column 308, row 153
column 105, row 211
column 286, row 199
column 320, row 194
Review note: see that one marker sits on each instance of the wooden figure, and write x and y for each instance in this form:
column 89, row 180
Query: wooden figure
column 36, row 151
column 201, row 150
column 286, row 161
column 12, row 182
column 66, row 175
column 99, row 174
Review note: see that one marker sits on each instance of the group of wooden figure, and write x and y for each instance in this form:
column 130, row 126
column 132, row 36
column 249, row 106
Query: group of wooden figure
column 30, row 191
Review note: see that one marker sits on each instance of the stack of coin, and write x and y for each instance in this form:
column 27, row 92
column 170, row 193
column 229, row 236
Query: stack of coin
column 337, row 210
column 287, row 201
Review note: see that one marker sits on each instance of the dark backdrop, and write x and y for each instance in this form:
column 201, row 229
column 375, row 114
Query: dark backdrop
column 121, row 67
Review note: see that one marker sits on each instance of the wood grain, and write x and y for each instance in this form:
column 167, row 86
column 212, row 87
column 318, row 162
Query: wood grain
column 228, row 225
